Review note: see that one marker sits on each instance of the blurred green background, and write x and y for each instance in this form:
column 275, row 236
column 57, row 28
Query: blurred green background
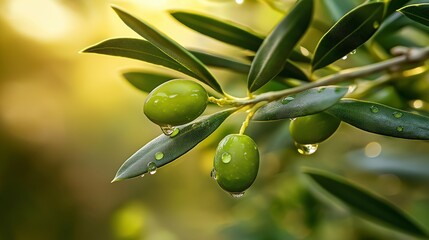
column 69, row 120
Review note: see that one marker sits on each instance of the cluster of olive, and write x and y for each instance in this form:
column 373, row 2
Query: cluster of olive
column 236, row 161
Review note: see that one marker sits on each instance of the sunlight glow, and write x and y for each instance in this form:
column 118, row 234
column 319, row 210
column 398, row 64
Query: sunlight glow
column 43, row 20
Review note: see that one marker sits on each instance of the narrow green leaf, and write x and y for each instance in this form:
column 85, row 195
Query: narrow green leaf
column 290, row 70
column 350, row 32
column 304, row 103
column 170, row 48
column 363, row 202
column 394, row 5
column 165, row 149
column 145, row 81
column 276, row 48
column 222, row 62
column 417, row 12
column 221, row 30
column 381, row 119
column 137, row 49
column 227, row 32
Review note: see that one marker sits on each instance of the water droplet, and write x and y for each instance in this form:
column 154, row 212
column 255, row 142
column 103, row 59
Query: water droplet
column 175, row 132
column 167, row 129
column 306, row 149
column 400, row 128
column 374, row 109
column 159, row 155
column 345, row 57
column 151, row 168
column 287, row 100
column 237, row 194
column 397, row 114
column 353, row 52
column 142, row 175
column 292, row 119
column 376, row 24
column 226, row 157
column 213, row 174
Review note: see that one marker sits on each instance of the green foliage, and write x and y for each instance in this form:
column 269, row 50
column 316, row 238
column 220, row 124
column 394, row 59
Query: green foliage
column 164, row 149
column 276, row 48
column 282, row 84
column 170, row 48
column 381, row 119
column 417, row 12
column 307, row 102
column 350, row 32
column 365, row 203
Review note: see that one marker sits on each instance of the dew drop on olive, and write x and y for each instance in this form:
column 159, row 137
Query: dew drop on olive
column 175, row 102
column 236, row 163
column 314, row 128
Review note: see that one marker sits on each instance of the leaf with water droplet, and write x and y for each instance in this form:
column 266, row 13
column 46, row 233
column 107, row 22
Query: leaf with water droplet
column 151, row 167
column 417, row 12
column 172, row 148
column 363, row 202
column 350, row 32
column 304, row 103
column 175, row 132
column 167, row 129
column 159, row 155
column 387, row 120
column 374, row 109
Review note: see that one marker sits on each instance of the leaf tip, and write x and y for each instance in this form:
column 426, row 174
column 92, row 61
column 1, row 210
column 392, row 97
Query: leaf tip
column 116, row 179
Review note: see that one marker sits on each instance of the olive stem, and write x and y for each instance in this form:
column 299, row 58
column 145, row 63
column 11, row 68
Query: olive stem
column 248, row 118
column 405, row 56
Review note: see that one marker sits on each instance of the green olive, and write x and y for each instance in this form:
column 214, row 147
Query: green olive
column 236, row 163
column 314, row 128
column 176, row 102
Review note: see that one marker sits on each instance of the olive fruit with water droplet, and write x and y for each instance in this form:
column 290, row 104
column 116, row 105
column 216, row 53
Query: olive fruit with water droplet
column 236, row 163
column 176, row 102
column 314, row 128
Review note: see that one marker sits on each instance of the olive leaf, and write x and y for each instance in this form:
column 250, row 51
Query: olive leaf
column 170, row 48
column 215, row 60
column 227, row 32
column 276, row 48
column 381, row 119
column 350, row 32
column 146, row 81
column 363, row 202
column 221, row 30
column 137, row 49
column 394, row 5
column 165, row 149
column 304, row 103
column 290, row 69
column 417, row 12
